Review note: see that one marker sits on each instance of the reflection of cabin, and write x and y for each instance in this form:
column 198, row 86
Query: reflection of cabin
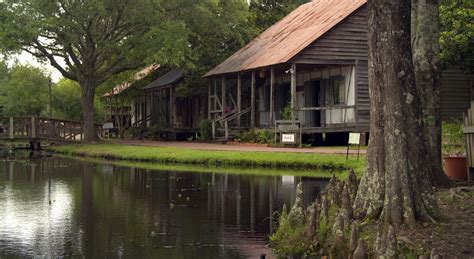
column 309, row 69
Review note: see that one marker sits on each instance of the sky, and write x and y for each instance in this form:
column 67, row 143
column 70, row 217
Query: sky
column 27, row 59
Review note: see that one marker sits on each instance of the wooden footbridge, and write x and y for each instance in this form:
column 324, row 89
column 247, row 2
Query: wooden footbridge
column 38, row 129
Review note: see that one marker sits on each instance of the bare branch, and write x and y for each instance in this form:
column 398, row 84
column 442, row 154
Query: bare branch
column 44, row 52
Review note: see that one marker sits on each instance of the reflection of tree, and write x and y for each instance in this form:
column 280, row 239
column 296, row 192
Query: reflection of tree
column 128, row 212
column 87, row 209
column 238, row 201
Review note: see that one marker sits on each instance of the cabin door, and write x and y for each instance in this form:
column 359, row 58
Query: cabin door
column 312, row 90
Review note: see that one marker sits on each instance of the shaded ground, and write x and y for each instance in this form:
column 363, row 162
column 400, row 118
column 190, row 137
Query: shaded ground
column 453, row 235
column 242, row 148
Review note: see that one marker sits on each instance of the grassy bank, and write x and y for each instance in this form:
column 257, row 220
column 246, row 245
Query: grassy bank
column 172, row 155
column 212, row 169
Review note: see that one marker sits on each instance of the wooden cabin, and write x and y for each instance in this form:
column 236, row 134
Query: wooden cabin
column 154, row 108
column 160, row 107
column 308, row 73
column 122, row 101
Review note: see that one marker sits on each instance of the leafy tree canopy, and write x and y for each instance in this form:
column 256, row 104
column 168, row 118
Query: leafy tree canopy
column 91, row 41
column 24, row 91
column 457, row 33
column 268, row 12
column 66, row 102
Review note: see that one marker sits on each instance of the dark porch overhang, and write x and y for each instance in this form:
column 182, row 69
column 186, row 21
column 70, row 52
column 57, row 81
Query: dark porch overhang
column 169, row 78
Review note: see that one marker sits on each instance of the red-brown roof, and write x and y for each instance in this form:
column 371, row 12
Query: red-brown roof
column 282, row 41
column 136, row 77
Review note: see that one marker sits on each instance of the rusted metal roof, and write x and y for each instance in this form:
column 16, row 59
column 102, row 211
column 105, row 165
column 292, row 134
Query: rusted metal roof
column 136, row 77
column 282, row 41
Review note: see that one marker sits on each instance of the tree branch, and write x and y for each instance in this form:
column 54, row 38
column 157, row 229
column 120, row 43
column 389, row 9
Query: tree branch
column 44, row 52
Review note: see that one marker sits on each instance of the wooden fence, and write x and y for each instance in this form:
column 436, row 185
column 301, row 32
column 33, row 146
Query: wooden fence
column 39, row 128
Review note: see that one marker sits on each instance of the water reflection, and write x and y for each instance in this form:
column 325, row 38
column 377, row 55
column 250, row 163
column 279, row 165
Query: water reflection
column 60, row 207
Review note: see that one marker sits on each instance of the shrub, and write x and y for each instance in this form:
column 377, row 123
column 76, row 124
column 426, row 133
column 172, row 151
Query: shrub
column 453, row 139
column 265, row 137
column 255, row 136
column 290, row 240
column 286, row 112
column 133, row 132
column 205, row 130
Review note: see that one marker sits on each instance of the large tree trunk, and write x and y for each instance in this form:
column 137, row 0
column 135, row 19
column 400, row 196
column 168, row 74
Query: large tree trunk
column 88, row 94
column 425, row 50
column 396, row 186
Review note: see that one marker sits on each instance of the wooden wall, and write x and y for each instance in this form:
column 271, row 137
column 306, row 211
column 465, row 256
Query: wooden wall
column 345, row 44
column 455, row 93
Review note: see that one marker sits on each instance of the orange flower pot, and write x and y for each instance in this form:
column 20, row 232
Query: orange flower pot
column 455, row 167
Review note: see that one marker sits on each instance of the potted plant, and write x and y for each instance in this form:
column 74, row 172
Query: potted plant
column 454, row 154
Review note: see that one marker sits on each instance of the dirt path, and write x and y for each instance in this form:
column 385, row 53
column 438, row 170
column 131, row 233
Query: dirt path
column 241, row 148
column 453, row 235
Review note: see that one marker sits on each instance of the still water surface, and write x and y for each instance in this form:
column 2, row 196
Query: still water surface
column 56, row 207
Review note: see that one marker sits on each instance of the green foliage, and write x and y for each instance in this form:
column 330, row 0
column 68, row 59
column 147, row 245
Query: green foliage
column 205, row 130
column 3, row 72
column 457, row 33
column 133, row 132
column 290, row 240
column 216, row 29
column 453, row 139
column 268, row 12
column 286, row 112
column 67, row 100
column 256, row 136
column 24, row 91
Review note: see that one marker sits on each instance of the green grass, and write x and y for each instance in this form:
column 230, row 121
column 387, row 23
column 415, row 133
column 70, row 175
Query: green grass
column 173, row 155
column 322, row 174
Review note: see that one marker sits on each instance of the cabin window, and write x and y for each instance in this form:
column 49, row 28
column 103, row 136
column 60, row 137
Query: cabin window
column 335, row 91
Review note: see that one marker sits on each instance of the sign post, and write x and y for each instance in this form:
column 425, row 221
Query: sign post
column 354, row 139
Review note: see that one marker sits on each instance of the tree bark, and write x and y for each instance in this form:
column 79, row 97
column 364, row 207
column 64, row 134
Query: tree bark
column 425, row 50
column 88, row 95
column 397, row 186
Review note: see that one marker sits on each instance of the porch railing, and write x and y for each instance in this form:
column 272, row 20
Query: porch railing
column 224, row 120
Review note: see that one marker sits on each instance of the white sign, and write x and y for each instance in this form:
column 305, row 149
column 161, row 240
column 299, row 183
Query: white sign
column 108, row 125
column 354, row 138
column 288, row 138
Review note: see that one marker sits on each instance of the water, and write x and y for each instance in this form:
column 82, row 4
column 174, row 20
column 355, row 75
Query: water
column 56, row 207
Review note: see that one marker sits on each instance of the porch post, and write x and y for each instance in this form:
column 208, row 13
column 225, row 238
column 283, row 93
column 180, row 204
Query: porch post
column 175, row 109
column 293, row 92
column 223, row 97
column 215, row 94
column 144, row 112
column 160, row 105
column 209, row 105
column 152, row 107
column 171, row 107
column 252, row 101
column 272, row 86
column 239, row 97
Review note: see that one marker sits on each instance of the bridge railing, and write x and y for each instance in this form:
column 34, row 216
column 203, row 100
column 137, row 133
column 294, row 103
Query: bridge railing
column 17, row 128
column 54, row 129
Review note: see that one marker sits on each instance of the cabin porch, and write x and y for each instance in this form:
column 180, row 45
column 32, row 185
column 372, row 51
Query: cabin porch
column 316, row 98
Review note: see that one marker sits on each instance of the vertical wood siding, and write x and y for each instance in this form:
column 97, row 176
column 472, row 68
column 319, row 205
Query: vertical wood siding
column 455, row 93
column 346, row 43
